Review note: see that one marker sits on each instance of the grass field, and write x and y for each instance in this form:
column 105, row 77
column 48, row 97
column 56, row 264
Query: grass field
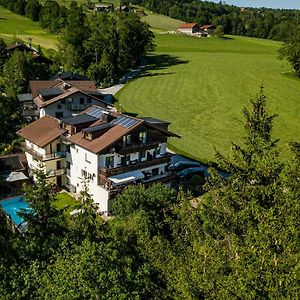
column 160, row 22
column 202, row 85
column 13, row 25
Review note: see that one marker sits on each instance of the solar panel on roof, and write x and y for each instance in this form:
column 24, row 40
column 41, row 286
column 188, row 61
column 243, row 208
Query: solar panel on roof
column 50, row 92
column 126, row 122
column 98, row 127
column 95, row 112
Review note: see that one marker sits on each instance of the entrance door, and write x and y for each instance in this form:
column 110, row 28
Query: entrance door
column 58, row 180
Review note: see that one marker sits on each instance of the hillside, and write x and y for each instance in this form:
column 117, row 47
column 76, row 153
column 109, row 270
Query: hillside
column 201, row 86
column 13, row 25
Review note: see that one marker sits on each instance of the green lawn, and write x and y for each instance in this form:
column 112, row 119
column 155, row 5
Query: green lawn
column 13, row 25
column 201, row 86
column 65, row 200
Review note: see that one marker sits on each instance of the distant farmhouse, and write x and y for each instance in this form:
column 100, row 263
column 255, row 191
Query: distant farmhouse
column 189, row 28
column 196, row 29
column 38, row 57
column 207, row 30
column 103, row 8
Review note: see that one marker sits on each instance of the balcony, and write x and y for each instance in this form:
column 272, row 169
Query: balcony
column 77, row 107
column 107, row 172
column 136, row 147
column 53, row 173
column 114, row 190
column 43, row 157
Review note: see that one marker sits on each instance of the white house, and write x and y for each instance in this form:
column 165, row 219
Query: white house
column 109, row 149
column 189, row 28
column 60, row 98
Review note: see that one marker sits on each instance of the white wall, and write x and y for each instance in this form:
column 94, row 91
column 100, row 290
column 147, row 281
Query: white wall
column 53, row 108
column 85, row 160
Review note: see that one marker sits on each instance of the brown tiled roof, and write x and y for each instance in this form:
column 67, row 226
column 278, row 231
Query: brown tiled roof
column 36, row 85
column 107, row 139
column 42, row 131
column 84, row 85
column 187, row 25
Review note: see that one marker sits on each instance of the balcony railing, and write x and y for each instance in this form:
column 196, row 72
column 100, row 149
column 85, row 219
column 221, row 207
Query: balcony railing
column 43, row 157
column 108, row 185
column 53, row 173
column 135, row 166
column 77, row 107
column 137, row 147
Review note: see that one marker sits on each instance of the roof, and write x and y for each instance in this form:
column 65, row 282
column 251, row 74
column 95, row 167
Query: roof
column 25, row 97
column 16, row 176
column 85, row 85
column 79, row 119
column 70, row 91
column 42, row 131
column 188, row 25
column 12, row 162
column 203, row 27
column 69, row 76
column 20, row 46
column 105, row 140
column 54, row 91
column 154, row 120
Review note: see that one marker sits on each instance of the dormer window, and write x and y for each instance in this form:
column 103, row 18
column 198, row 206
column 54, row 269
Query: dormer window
column 127, row 140
column 143, row 137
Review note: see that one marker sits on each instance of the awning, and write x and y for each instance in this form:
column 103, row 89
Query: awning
column 16, row 176
column 126, row 177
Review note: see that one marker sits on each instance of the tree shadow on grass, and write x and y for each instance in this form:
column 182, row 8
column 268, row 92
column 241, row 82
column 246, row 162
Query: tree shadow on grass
column 160, row 62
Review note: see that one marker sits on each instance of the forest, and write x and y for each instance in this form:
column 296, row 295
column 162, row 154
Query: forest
column 254, row 22
column 239, row 240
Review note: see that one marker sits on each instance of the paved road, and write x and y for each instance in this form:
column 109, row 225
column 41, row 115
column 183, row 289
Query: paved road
column 114, row 89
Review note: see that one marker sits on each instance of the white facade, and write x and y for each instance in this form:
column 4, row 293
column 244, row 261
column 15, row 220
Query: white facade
column 69, row 106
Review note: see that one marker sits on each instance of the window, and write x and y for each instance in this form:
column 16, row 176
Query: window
column 63, row 101
column 68, row 165
column 125, row 159
column 86, row 158
column 127, row 140
column 58, row 106
column 68, row 148
column 109, row 162
column 81, row 100
column 143, row 137
column 155, row 171
column 70, row 100
column 59, row 115
column 142, row 154
column 89, row 100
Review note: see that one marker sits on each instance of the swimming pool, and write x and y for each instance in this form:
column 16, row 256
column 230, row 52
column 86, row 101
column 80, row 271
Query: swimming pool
column 14, row 205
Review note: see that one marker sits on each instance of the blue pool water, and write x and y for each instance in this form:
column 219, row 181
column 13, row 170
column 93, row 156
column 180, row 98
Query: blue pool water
column 14, row 205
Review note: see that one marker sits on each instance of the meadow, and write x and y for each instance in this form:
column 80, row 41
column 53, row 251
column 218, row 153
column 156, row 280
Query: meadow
column 15, row 26
column 202, row 85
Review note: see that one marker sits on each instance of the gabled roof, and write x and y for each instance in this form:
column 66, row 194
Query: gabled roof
column 85, row 85
column 69, row 76
column 188, row 25
column 104, row 141
column 42, row 131
column 70, row 91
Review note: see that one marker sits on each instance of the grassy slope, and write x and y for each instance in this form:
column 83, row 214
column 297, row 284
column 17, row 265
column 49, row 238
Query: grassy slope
column 13, row 25
column 161, row 22
column 201, row 86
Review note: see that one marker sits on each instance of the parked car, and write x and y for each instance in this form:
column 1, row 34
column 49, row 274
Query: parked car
column 189, row 172
column 181, row 165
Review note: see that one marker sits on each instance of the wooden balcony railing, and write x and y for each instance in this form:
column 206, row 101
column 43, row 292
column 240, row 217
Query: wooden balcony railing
column 107, row 172
column 42, row 157
column 136, row 147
